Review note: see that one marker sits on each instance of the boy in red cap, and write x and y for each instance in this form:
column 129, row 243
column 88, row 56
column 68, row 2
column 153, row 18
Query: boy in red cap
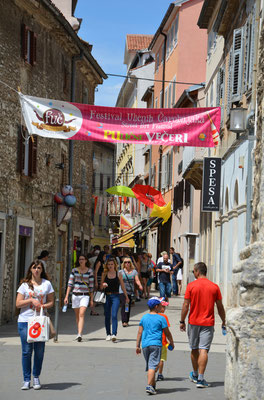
column 163, row 356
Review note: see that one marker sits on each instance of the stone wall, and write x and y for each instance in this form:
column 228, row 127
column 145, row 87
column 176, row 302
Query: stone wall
column 32, row 197
column 245, row 340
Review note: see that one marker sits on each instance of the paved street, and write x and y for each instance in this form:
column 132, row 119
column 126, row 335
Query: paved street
column 99, row 369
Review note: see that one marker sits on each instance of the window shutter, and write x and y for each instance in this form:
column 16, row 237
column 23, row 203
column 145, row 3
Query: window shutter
column 237, row 64
column 32, row 156
column 180, row 196
column 158, row 177
column 220, row 91
column 24, row 41
column 33, row 47
column 175, row 198
column 229, row 83
column 176, row 30
column 163, row 172
column 187, row 193
column 20, row 149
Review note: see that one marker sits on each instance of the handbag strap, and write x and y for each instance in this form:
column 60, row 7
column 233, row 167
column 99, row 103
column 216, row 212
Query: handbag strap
column 128, row 281
column 82, row 278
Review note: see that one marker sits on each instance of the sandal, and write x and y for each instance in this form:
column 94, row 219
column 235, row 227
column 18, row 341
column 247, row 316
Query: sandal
column 93, row 313
column 125, row 324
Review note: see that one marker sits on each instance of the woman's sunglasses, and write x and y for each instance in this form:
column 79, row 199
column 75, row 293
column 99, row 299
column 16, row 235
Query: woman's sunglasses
column 127, row 262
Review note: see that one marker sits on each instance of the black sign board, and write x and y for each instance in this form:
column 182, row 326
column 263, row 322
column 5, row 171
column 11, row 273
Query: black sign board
column 211, row 184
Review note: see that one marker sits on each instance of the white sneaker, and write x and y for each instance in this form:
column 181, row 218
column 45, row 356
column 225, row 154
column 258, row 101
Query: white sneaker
column 26, row 385
column 108, row 337
column 113, row 338
column 36, row 384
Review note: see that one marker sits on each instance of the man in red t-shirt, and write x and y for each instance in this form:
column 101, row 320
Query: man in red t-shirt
column 201, row 296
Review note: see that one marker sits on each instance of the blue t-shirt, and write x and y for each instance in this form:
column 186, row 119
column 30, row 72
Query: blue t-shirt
column 153, row 325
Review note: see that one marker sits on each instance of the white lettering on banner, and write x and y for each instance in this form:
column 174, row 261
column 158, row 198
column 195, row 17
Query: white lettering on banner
column 212, row 181
column 164, row 137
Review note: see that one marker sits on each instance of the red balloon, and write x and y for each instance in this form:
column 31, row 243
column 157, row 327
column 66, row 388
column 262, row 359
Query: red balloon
column 59, row 198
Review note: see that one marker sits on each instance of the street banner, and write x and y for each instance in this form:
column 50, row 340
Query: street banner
column 211, row 184
column 197, row 127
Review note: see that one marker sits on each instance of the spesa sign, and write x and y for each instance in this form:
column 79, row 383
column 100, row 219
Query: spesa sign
column 211, row 184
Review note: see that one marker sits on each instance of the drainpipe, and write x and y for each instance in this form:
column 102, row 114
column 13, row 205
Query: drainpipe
column 251, row 127
column 75, row 58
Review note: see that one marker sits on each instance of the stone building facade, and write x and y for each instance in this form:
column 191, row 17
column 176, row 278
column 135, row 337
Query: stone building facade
column 37, row 50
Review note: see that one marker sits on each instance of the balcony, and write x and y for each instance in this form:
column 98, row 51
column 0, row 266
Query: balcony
column 192, row 166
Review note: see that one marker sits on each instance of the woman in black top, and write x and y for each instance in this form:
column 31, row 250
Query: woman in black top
column 110, row 283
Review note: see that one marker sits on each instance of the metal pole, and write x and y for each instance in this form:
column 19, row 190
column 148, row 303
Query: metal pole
column 69, row 238
column 56, row 320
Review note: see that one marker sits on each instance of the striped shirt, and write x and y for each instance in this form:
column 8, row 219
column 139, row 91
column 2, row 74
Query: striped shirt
column 81, row 283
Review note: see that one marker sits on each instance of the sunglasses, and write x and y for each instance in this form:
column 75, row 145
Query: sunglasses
column 127, row 262
column 36, row 267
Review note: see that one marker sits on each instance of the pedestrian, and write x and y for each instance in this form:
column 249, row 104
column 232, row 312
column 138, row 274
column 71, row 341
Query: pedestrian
column 164, row 269
column 176, row 264
column 201, row 296
column 81, row 282
column 111, row 283
column 179, row 280
column 164, row 350
column 130, row 277
column 151, row 270
column 35, row 291
column 150, row 330
column 94, row 255
column 99, row 268
column 44, row 256
column 144, row 271
column 160, row 259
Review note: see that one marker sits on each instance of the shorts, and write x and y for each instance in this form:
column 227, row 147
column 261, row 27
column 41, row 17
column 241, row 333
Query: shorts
column 149, row 282
column 164, row 352
column 80, row 301
column 144, row 275
column 152, row 356
column 200, row 337
column 179, row 275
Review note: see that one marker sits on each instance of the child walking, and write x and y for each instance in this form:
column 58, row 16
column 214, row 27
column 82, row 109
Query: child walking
column 150, row 330
column 164, row 343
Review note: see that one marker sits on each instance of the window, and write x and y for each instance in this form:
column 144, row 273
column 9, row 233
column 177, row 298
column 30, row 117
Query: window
column 220, row 95
column 187, row 193
column 211, row 44
column 27, row 152
column 237, row 63
column 29, row 45
column 169, row 96
column 178, row 196
column 157, row 62
column 161, row 99
column 175, row 38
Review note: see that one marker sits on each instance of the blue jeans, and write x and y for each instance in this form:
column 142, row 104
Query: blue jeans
column 174, row 283
column 165, row 289
column 111, row 304
column 27, row 348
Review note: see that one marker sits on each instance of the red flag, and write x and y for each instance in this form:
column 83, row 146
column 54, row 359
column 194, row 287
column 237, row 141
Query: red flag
column 148, row 195
column 125, row 199
column 95, row 203
column 120, row 203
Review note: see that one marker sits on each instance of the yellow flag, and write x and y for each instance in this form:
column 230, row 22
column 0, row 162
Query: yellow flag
column 162, row 212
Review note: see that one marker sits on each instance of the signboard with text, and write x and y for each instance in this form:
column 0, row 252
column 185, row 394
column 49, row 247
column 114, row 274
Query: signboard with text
column 211, row 184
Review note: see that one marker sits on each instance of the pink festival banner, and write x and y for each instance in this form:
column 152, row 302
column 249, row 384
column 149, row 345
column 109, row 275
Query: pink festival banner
column 197, row 127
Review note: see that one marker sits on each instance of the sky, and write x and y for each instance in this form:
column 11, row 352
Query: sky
column 105, row 25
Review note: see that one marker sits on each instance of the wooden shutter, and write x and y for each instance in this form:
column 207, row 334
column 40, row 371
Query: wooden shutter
column 229, row 83
column 20, row 149
column 180, row 195
column 24, row 42
column 187, row 193
column 220, row 96
column 32, row 156
column 33, row 47
column 237, row 64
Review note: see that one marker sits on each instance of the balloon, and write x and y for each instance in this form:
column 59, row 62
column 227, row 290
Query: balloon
column 70, row 200
column 67, row 189
column 59, row 198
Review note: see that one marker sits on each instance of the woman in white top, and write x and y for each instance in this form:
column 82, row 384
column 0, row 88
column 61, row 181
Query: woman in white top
column 34, row 292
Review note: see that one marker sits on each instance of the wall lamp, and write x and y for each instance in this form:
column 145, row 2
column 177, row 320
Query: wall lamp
column 238, row 123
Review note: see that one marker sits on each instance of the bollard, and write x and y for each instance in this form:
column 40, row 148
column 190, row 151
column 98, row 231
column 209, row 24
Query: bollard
column 57, row 305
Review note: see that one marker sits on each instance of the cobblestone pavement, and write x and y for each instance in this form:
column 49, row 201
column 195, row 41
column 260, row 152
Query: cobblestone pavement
column 98, row 369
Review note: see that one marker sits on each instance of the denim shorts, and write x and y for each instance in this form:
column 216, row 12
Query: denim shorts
column 200, row 337
column 152, row 356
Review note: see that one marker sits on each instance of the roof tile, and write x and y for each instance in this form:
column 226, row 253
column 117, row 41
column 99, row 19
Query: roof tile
column 138, row 42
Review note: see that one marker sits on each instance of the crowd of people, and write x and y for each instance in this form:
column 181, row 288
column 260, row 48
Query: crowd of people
column 125, row 278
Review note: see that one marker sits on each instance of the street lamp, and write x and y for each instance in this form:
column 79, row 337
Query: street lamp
column 238, row 120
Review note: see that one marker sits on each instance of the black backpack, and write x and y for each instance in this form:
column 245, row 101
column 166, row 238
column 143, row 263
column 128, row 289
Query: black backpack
column 182, row 260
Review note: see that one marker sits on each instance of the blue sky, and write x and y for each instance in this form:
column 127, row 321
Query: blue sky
column 105, row 25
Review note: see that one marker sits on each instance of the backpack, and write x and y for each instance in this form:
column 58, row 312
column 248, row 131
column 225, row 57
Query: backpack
column 182, row 260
